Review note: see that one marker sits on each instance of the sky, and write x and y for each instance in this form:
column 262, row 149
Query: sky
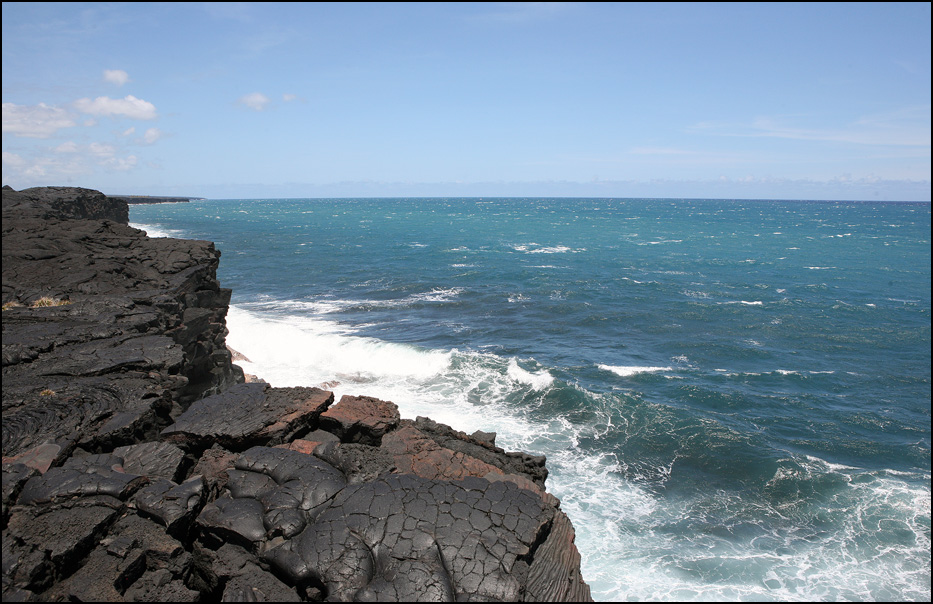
column 679, row 100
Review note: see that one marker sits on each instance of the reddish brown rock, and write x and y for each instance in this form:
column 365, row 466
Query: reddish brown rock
column 416, row 453
column 213, row 466
column 39, row 458
column 301, row 446
column 361, row 419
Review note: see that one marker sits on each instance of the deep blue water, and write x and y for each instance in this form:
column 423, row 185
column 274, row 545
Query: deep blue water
column 733, row 396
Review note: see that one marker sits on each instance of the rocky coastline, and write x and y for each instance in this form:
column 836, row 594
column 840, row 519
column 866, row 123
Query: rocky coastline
column 140, row 465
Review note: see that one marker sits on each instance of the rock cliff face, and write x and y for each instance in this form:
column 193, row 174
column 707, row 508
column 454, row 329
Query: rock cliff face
column 139, row 466
column 68, row 202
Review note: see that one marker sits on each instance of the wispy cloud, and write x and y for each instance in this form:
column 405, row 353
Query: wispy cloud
column 660, row 151
column 65, row 163
column 232, row 11
column 116, row 76
column 67, row 147
column 908, row 127
column 35, row 121
column 519, row 12
column 152, row 135
column 255, row 100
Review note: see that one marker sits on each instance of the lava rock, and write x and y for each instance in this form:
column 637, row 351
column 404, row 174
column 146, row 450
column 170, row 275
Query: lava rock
column 249, row 414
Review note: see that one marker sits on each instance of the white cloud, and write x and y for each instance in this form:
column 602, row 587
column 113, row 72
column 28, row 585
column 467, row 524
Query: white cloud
column 255, row 100
column 37, row 171
column 129, row 131
column 152, row 135
column 129, row 106
column 101, row 150
column 13, row 160
column 36, row 121
column 67, row 147
column 289, row 97
column 64, row 164
column 120, row 164
column 116, row 76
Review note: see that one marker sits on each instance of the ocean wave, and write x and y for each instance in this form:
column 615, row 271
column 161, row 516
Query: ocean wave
column 155, row 232
column 630, row 370
column 538, row 380
column 303, row 350
column 772, row 373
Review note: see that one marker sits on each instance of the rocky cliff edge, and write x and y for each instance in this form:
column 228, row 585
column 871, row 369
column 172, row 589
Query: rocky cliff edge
column 139, row 466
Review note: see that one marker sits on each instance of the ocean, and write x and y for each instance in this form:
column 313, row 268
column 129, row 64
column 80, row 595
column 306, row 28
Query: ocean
column 733, row 396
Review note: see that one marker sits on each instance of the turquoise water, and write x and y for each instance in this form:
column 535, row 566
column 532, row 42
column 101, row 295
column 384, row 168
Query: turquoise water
column 734, row 396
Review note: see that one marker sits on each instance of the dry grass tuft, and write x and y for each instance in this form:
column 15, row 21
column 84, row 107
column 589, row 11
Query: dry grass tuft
column 49, row 301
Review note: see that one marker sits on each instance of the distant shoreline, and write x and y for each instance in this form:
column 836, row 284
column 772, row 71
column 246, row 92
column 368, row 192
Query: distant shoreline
column 135, row 199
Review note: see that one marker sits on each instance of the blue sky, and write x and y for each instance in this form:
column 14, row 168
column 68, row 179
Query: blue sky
column 814, row 101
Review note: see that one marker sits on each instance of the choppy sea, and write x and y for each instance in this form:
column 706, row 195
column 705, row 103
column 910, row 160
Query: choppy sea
column 733, row 396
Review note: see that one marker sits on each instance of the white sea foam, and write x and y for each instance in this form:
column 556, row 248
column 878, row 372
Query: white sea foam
column 534, row 248
column 538, row 380
column 306, row 350
column 319, row 306
column 438, row 294
column 630, row 370
column 882, row 526
column 156, row 232
column 635, row 543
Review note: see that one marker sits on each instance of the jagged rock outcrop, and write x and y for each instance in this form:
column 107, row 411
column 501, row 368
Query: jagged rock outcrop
column 138, row 466
column 104, row 329
column 69, row 203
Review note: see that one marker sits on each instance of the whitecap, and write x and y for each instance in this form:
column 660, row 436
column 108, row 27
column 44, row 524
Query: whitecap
column 630, row 370
column 537, row 380
column 438, row 294
column 154, row 232
column 535, row 248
